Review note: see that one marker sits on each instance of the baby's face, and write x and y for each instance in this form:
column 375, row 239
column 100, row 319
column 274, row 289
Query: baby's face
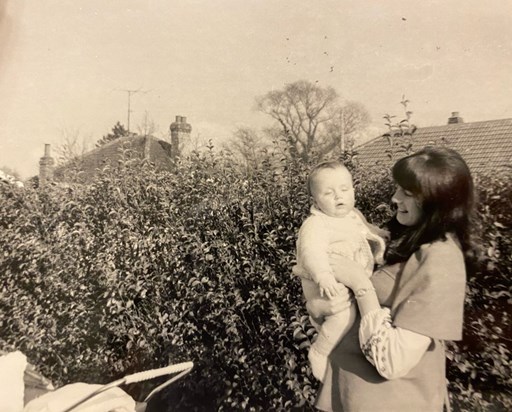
column 333, row 192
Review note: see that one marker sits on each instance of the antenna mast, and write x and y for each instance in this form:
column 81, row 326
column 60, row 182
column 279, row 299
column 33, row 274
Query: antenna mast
column 130, row 92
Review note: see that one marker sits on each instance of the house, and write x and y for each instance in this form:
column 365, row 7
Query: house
column 7, row 178
column 485, row 145
column 159, row 152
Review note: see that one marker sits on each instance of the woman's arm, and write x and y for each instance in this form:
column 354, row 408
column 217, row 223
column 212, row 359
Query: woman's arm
column 353, row 276
column 393, row 351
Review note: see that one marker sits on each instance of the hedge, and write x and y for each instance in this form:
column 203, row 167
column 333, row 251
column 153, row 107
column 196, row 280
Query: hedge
column 144, row 268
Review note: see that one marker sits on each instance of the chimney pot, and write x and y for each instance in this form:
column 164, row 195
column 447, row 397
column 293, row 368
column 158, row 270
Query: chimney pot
column 455, row 118
column 46, row 164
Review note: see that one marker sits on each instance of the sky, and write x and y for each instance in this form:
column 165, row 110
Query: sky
column 66, row 65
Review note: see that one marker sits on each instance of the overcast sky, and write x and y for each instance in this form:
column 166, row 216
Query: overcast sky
column 65, row 64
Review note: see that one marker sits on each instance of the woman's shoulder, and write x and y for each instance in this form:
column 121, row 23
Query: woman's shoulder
column 430, row 295
column 442, row 259
column 448, row 248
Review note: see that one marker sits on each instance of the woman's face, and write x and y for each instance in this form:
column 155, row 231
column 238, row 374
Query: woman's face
column 409, row 211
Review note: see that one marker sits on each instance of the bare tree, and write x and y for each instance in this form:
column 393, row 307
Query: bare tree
column 352, row 118
column 194, row 143
column 147, row 127
column 72, row 146
column 249, row 146
column 312, row 120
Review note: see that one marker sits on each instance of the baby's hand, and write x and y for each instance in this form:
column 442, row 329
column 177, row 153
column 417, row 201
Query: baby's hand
column 329, row 288
column 384, row 234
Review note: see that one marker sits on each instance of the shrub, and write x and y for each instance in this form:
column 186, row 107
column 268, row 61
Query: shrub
column 481, row 371
column 144, row 268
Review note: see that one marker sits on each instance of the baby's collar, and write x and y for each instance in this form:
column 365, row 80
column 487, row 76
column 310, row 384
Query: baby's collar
column 316, row 211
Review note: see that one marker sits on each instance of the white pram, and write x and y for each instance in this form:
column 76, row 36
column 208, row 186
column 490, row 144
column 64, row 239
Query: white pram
column 16, row 374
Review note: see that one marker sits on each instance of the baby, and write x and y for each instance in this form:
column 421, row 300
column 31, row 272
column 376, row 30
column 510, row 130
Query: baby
column 334, row 227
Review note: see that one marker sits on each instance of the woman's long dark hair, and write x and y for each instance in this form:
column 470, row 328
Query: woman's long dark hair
column 440, row 179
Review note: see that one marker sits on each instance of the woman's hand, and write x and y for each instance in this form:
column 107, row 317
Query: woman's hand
column 349, row 273
column 319, row 307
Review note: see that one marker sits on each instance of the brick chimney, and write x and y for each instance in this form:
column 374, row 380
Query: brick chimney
column 46, row 164
column 455, row 118
column 179, row 129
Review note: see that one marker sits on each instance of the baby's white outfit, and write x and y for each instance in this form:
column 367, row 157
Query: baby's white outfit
column 321, row 236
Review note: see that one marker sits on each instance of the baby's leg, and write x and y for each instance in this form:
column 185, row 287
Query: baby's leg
column 330, row 334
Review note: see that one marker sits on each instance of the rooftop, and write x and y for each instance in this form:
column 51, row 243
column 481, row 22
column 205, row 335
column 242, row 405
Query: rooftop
column 484, row 145
column 151, row 148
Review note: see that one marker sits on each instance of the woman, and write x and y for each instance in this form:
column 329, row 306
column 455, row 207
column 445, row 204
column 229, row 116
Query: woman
column 393, row 359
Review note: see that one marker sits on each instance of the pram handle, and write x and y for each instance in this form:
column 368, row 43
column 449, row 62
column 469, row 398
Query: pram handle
column 155, row 373
column 184, row 368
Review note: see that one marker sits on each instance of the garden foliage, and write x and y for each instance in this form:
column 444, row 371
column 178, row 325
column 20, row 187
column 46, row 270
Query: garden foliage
column 145, row 268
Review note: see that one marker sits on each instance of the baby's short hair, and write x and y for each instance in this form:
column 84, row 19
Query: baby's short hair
column 328, row 164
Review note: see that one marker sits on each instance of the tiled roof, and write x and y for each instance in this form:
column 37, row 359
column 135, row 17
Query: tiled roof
column 156, row 150
column 484, row 145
